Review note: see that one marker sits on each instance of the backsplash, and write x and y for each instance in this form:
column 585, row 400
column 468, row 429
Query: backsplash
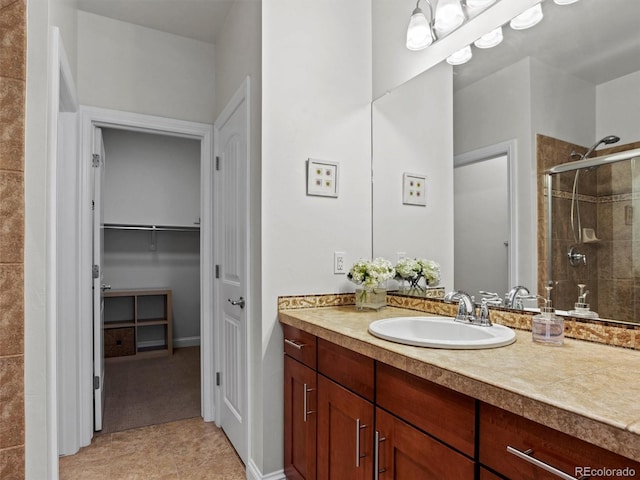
column 618, row 335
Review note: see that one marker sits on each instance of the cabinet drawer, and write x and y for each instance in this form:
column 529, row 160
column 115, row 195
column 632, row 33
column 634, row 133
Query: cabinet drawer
column 300, row 345
column 445, row 414
column 500, row 429
column 350, row 369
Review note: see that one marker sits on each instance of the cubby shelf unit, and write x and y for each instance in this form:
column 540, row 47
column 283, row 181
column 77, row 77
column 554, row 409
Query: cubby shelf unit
column 127, row 312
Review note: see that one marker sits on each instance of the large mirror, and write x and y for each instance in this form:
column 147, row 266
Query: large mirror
column 574, row 77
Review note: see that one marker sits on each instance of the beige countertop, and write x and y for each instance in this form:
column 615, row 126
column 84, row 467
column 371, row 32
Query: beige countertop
column 587, row 390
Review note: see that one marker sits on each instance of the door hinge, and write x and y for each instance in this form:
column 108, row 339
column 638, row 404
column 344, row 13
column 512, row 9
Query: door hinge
column 218, row 379
column 93, row 205
column 96, row 382
column 95, row 160
column 95, row 271
column 217, row 163
column 217, row 271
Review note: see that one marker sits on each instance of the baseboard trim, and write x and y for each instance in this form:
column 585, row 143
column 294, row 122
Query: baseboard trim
column 253, row 473
column 186, row 342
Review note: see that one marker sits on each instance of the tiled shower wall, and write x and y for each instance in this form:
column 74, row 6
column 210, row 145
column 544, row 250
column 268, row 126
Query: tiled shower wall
column 605, row 196
column 12, row 116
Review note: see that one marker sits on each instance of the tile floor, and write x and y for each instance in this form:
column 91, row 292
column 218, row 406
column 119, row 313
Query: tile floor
column 184, row 450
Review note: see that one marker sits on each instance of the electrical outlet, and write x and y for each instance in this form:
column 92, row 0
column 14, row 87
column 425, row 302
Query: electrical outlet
column 400, row 256
column 339, row 266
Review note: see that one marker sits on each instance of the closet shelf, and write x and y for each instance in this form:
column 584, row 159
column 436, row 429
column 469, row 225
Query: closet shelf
column 151, row 228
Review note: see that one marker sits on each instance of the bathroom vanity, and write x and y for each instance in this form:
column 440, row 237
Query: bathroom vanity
column 360, row 407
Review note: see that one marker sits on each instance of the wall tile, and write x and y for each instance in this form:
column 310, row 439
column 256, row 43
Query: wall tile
column 12, row 463
column 12, row 104
column 11, row 401
column 13, row 40
column 11, row 217
column 11, row 310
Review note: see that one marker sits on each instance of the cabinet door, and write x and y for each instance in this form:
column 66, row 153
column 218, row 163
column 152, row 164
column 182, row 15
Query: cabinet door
column 405, row 453
column 300, row 420
column 345, row 433
column 517, row 448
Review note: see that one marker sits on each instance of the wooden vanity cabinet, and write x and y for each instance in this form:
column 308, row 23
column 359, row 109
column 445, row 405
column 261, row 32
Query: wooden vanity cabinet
column 500, row 430
column 300, row 404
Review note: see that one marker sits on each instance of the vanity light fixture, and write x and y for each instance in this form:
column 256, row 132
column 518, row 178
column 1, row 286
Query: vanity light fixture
column 490, row 40
column 527, row 19
column 461, row 56
column 420, row 32
column 564, row 2
column 449, row 16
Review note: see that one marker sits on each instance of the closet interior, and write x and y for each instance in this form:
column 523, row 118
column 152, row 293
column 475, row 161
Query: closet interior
column 151, row 202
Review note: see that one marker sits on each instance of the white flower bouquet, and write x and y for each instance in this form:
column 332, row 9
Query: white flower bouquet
column 371, row 274
column 371, row 277
column 413, row 269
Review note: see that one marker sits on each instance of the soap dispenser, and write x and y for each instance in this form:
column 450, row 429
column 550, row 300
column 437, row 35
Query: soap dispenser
column 547, row 327
column 581, row 307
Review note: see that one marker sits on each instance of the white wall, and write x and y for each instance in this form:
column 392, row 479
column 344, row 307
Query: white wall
column 497, row 109
column 123, row 66
column 151, row 179
column 409, row 136
column 316, row 103
column 63, row 16
column 618, row 108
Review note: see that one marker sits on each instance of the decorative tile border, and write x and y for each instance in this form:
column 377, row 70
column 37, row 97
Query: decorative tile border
column 608, row 333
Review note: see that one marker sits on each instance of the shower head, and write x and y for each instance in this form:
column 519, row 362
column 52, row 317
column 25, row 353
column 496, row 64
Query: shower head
column 608, row 140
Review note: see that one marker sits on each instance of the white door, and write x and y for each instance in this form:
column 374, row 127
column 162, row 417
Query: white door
column 98, row 297
column 231, row 134
column 481, row 226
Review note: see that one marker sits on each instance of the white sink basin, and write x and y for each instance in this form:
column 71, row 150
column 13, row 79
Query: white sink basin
column 441, row 332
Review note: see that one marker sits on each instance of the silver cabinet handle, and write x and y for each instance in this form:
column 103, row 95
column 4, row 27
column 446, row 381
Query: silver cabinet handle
column 307, row 412
column 239, row 302
column 376, row 467
column 527, row 456
column 294, row 344
column 358, row 454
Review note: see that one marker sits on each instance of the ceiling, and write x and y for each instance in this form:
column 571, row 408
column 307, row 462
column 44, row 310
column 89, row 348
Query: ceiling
column 596, row 40
column 196, row 19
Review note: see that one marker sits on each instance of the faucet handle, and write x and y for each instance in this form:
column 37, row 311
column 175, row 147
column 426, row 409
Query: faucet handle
column 483, row 318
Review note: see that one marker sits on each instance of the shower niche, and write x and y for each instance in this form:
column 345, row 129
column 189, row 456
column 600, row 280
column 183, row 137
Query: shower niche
column 589, row 227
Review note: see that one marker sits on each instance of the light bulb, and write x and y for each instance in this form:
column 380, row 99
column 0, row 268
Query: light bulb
column 461, row 56
column 489, row 40
column 564, row 2
column 528, row 18
column 449, row 15
column 419, row 32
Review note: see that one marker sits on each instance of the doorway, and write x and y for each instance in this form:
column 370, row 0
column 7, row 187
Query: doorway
column 96, row 118
column 151, row 278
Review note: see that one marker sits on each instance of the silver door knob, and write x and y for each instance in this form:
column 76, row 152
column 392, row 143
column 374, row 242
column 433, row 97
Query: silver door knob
column 104, row 287
column 239, row 302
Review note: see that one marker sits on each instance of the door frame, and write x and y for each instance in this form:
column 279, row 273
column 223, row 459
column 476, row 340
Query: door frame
column 92, row 117
column 242, row 94
column 508, row 149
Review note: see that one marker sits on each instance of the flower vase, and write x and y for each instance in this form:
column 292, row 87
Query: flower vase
column 370, row 298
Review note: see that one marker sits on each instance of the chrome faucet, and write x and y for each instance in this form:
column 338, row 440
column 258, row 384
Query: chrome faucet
column 466, row 309
column 512, row 298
